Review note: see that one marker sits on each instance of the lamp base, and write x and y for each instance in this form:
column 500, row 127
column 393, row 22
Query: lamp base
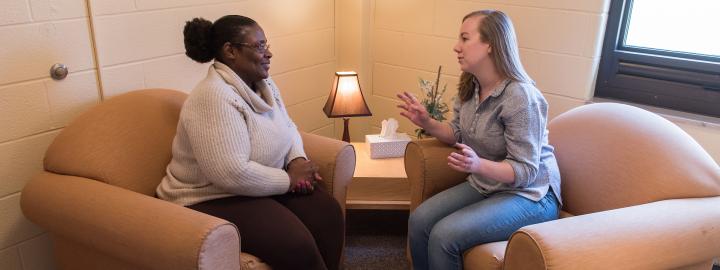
column 346, row 132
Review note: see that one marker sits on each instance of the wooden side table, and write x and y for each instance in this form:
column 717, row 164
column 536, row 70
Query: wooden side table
column 377, row 183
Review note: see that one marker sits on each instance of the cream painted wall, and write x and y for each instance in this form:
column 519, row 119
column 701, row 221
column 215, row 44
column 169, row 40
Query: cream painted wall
column 33, row 108
column 138, row 45
column 353, row 39
column 560, row 43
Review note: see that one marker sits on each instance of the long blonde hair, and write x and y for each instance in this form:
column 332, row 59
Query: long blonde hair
column 497, row 30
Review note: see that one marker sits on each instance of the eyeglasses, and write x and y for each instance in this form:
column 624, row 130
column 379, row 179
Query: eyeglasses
column 260, row 47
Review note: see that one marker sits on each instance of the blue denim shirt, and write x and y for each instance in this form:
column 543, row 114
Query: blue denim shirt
column 510, row 126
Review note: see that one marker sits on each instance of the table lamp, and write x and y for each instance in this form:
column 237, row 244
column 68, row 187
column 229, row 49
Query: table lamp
column 346, row 100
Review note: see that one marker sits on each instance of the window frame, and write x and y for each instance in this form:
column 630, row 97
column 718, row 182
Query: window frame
column 668, row 79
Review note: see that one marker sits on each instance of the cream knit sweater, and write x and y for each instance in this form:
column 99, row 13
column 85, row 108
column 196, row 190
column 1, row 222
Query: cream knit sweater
column 230, row 141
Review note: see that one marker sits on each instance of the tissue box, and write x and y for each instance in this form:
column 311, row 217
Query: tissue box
column 387, row 148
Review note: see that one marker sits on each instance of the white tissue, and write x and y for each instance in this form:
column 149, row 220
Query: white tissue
column 389, row 128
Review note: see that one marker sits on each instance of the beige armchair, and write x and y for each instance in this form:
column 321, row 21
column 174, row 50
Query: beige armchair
column 97, row 200
column 638, row 193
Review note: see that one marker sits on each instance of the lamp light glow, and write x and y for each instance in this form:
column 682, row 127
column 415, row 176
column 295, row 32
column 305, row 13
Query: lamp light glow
column 346, row 99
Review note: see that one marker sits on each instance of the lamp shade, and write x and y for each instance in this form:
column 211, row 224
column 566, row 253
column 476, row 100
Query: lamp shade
column 346, row 99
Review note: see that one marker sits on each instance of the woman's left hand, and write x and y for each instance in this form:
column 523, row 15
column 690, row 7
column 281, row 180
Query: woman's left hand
column 466, row 160
column 315, row 169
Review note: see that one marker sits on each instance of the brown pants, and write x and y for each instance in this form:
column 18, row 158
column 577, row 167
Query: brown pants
column 286, row 231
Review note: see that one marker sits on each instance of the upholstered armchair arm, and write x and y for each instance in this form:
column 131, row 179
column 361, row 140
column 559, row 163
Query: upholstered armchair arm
column 336, row 160
column 661, row 235
column 143, row 231
column 427, row 170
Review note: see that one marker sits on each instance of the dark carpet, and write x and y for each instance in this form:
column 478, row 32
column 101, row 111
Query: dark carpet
column 376, row 239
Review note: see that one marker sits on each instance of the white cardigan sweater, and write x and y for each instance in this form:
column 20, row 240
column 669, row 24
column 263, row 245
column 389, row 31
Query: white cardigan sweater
column 230, row 141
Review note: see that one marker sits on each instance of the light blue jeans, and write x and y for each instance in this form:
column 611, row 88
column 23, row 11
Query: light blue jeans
column 459, row 218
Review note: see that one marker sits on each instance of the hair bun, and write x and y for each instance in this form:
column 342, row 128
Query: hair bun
column 197, row 40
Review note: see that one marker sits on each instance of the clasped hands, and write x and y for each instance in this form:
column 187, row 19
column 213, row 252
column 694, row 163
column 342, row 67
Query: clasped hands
column 303, row 176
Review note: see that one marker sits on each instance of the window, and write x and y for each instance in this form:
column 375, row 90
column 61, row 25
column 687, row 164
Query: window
column 664, row 53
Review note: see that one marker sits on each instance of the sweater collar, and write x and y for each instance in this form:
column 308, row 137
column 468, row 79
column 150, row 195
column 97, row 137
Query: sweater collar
column 259, row 102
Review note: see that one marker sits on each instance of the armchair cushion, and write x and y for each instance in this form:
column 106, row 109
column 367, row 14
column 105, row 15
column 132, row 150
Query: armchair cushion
column 105, row 142
column 487, row 256
column 122, row 223
column 620, row 156
column 427, row 170
column 667, row 234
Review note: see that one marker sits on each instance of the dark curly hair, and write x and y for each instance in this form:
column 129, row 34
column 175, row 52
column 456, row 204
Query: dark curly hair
column 203, row 39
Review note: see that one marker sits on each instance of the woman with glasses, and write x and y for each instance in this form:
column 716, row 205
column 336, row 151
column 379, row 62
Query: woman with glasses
column 237, row 154
column 500, row 133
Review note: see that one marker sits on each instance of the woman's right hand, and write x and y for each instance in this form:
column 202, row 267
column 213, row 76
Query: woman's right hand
column 413, row 110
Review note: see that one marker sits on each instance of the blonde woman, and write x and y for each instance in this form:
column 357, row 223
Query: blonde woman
column 499, row 129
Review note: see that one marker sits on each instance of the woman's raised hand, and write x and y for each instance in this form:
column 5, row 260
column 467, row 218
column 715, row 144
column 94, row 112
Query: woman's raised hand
column 413, row 110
